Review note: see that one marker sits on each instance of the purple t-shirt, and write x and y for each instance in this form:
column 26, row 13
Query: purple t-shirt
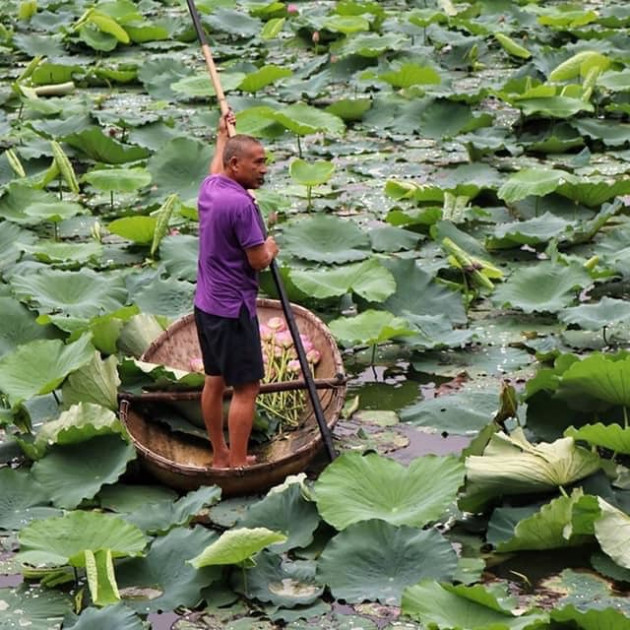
column 229, row 223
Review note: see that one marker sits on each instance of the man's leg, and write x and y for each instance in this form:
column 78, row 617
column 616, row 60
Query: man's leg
column 212, row 411
column 240, row 421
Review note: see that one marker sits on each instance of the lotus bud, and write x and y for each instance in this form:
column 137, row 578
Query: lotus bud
column 284, row 339
column 266, row 334
column 315, row 37
column 276, row 324
column 277, row 352
column 313, row 356
column 292, row 9
column 196, row 364
column 293, row 367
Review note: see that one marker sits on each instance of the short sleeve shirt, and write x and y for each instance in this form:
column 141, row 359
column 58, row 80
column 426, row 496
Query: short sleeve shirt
column 229, row 223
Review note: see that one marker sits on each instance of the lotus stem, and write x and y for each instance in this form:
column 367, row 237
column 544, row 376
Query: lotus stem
column 56, row 89
column 299, row 143
column 625, row 417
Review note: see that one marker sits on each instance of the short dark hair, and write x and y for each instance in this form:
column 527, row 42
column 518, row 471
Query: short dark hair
column 236, row 146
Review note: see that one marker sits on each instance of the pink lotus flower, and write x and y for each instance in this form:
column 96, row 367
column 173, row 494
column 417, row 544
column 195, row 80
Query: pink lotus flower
column 293, row 367
column 276, row 324
column 292, row 9
column 313, row 356
column 266, row 334
column 284, row 339
column 196, row 364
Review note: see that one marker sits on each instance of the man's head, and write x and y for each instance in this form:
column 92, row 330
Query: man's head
column 244, row 161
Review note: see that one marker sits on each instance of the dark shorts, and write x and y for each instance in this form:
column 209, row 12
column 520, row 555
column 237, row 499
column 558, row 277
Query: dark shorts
column 230, row 347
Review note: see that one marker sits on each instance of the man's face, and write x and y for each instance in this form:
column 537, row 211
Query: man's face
column 250, row 167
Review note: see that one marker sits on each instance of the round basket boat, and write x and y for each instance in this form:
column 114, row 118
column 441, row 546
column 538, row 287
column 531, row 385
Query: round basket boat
column 185, row 462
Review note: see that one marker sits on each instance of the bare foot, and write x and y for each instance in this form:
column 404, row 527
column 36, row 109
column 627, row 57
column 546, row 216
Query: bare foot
column 221, row 460
column 250, row 460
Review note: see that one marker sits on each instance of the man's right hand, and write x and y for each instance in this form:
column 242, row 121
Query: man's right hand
column 271, row 247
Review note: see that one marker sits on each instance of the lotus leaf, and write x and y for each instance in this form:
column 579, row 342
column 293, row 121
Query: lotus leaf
column 288, row 512
column 40, row 366
column 18, row 326
column 512, row 465
column 311, row 173
column 371, row 45
column 35, row 608
column 411, row 74
column 612, row 530
column 79, row 423
column 580, row 65
column 82, row 293
column 598, row 376
column 283, row 583
column 375, row 560
column 531, row 232
column 534, row 181
column 564, row 522
column 370, row 327
column 595, row 617
column 52, row 251
column 611, row 134
column 118, row 179
column 611, row 436
column 63, row 540
column 388, row 238
column 350, row 109
column 12, row 238
column 512, row 47
column 165, row 570
column 117, row 616
column 171, row 298
column 96, row 382
column 179, row 254
column 263, row 77
column 125, row 498
column 76, row 472
column 358, row 487
column 22, row 499
column 100, row 147
column 547, row 287
column 504, row 520
column 445, row 119
column 303, row 119
column 198, row 85
column 272, row 28
column 607, row 312
column 237, row 545
column 462, row 608
column 138, row 334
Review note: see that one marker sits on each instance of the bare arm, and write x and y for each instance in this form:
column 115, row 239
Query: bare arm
column 216, row 166
column 260, row 256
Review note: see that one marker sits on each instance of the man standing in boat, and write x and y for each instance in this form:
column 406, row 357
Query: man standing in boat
column 232, row 250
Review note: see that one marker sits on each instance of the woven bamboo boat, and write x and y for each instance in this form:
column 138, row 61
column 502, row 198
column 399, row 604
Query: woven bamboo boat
column 184, row 462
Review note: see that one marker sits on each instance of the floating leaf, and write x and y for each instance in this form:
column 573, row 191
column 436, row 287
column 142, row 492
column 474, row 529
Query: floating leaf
column 409, row 74
column 533, row 181
column 358, row 487
column 138, row 229
column 375, row 560
column 369, row 327
column 117, row 616
column 33, row 607
column 607, row 312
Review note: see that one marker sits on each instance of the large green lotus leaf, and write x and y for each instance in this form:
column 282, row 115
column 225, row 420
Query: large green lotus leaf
column 22, row 499
column 35, row 608
column 370, row 45
column 409, row 74
column 369, row 279
column 607, row 312
column 461, row 413
column 326, row 239
column 303, row 119
column 311, row 173
column 446, row 119
column 76, row 472
column 510, row 464
column 12, row 238
column 52, row 251
column 545, row 287
column 612, row 530
column 462, row 608
column 80, row 423
column 54, row 211
column 283, row 583
column 531, row 232
column 533, row 181
column 63, row 540
column 179, row 167
column 18, row 326
column 593, row 618
column 159, row 73
column 118, row 179
column 286, row 512
column 236, row 545
column 389, row 239
column 358, row 487
column 172, row 298
column 101, row 148
column 595, row 192
column 117, row 616
column 238, row 24
column 504, row 520
column 611, row 132
column 160, row 517
column 433, row 331
column 40, row 366
column 369, row 327
column 259, row 122
column 179, row 254
column 553, row 106
column 375, row 560
column 346, row 24
column 123, row 498
column 553, row 526
column 17, row 197
column 138, row 334
column 200, row 86
column 425, row 297
column 84, row 293
column 96, row 382
column 609, row 436
column 164, row 579
column 579, row 65
column 613, row 80
column 139, row 229
column 263, row 77
column 598, row 376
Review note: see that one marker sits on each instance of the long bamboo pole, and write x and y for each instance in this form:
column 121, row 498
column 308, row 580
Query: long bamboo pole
column 275, row 273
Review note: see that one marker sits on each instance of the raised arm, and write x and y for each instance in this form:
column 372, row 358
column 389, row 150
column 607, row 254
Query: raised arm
column 216, row 166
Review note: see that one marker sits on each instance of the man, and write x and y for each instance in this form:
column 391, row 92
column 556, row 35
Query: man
column 232, row 249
